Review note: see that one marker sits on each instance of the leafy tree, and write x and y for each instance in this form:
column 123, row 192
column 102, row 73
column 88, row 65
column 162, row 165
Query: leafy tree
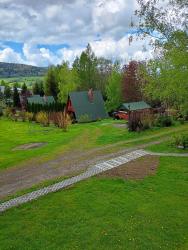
column 162, row 17
column 131, row 83
column 16, row 98
column 3, row 83
column 167, row 75
column 104, row 69
column 86, row 68
column 67, row 81
column 167, row 78
column 51, row 83
column 114, row 89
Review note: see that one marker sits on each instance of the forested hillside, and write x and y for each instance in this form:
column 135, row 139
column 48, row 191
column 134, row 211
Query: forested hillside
column 18, row 70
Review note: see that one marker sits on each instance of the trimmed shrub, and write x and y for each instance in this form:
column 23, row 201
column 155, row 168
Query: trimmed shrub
column 29, row 116
column 8, row 112
column 42, row 118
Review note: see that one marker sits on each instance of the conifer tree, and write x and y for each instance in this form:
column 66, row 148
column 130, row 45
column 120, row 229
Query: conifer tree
column 16, row 98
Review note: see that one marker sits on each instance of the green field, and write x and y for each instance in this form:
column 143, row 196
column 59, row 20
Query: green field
column 29, row 81
column 106, row 214
column 78, row 137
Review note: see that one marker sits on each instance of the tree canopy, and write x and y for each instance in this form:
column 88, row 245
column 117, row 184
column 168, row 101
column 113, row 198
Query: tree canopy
column 166, row 75
column 114, row 89
column 67, row 81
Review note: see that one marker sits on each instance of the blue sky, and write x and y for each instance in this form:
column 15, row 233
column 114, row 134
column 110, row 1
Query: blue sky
column 18, row 46
column 47, row 32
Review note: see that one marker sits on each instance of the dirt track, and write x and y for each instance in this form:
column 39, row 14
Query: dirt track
column 137, row 169
column 15, row 179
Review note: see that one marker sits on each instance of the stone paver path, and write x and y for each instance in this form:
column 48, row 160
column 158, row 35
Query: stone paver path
column 92, row 171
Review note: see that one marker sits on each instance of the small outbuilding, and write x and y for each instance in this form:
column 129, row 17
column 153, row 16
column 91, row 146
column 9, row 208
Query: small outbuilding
column 43, row 100
column 136, row 106
column 85, row 106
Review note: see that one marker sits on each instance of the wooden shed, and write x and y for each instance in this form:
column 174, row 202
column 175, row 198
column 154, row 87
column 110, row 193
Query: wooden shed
column 136, row 106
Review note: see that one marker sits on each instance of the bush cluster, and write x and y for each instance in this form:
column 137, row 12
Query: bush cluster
column 180, row 141
column 42, row 118
column 164, row 121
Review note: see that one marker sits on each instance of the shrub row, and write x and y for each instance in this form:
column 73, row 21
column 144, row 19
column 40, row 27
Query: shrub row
column 59, row 119
column 52, row 107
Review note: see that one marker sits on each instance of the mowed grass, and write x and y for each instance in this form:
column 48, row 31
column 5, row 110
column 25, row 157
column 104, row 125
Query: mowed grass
column 167, row 147
column 106, row 214
column 78, row 137
column 13, row 134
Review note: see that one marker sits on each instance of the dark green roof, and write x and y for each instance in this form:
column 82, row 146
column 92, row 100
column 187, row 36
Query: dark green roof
column 132, row 106
column 37, row 99
column 83, row 107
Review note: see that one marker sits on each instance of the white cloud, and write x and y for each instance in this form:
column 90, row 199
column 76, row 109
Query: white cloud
column 108, row 48
column 9, row 55
column 69, row 54
column 72, row 22
column 62, row 21
column 39, row 56
column 122, row 50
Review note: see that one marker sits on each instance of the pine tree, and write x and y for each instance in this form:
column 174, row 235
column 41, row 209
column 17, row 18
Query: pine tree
column 36, row 89
column 41, row 88
column 7, row 92
column 24, row 89
column 16, row 98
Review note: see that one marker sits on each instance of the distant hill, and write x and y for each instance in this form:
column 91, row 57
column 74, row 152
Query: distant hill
column 20, row 70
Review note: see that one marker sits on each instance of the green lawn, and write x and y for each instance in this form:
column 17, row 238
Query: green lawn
column 106, row 214
column 79, row 136
column 166, row 147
